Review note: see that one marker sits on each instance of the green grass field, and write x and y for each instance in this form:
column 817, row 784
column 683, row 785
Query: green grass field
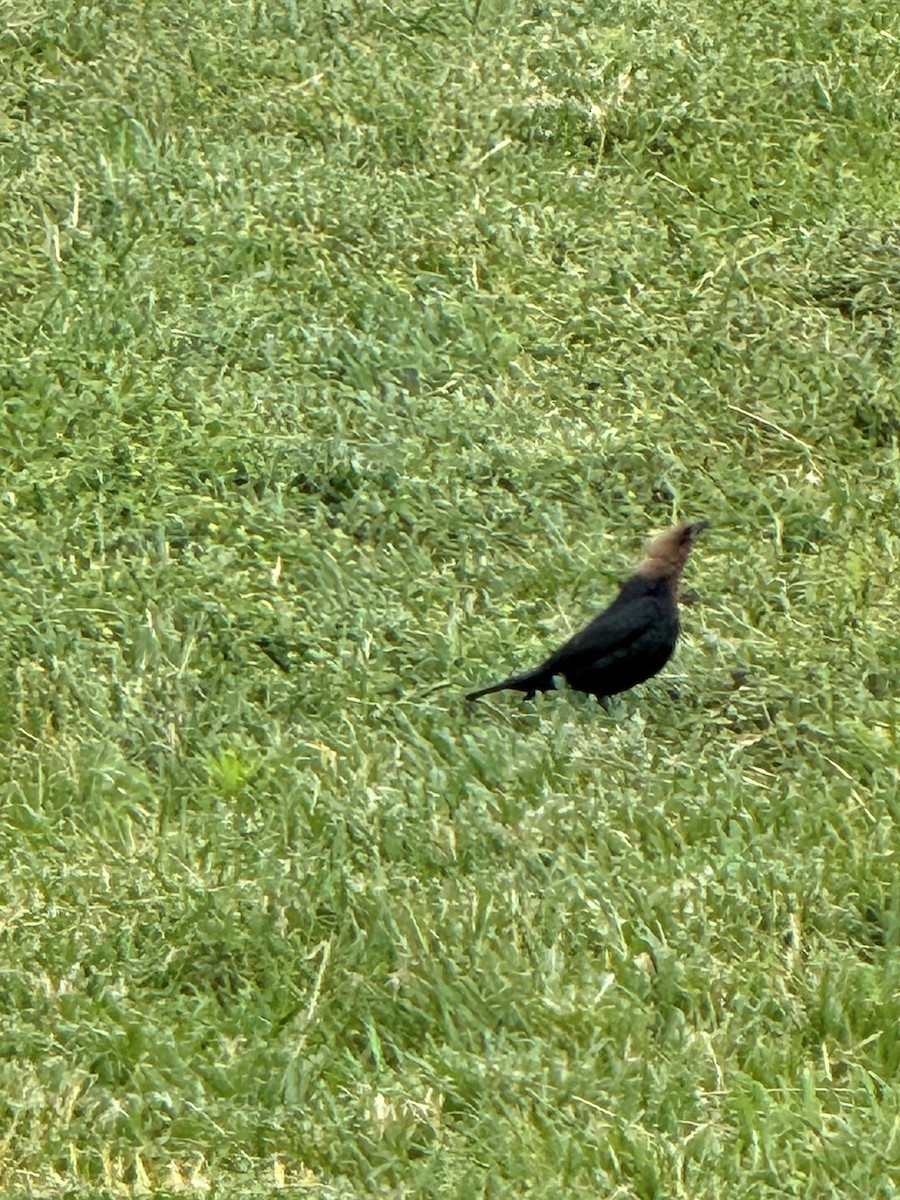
column 386, row 333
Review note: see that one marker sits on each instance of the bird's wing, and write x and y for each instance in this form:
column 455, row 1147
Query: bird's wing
column 607, row 637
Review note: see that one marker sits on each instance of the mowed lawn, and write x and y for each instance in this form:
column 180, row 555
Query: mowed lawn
column 349, row 353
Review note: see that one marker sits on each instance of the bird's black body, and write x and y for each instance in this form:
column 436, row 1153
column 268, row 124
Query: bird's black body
column 627, row 643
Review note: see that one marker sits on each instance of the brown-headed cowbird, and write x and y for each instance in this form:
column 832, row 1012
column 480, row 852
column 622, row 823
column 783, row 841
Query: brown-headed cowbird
column 630, row 641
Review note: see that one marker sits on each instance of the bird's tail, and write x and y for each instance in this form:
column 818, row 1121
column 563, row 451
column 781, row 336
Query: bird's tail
column 529, row 682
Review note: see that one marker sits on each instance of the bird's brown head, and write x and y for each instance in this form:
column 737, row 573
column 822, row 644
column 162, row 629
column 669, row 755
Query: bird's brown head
column 666, row 555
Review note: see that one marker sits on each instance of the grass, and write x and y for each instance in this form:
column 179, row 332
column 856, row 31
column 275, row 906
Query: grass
column 384, row 334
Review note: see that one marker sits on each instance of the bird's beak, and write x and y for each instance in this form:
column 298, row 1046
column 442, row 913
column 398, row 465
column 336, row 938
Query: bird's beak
column 696, row 528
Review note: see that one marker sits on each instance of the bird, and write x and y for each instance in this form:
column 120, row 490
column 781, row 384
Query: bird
column 628, row 642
